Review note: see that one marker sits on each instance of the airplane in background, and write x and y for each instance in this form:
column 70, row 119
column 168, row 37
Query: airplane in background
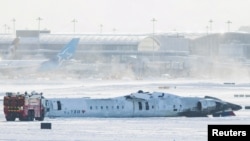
column 11, row 52
column 141, row 104
column 65, row 54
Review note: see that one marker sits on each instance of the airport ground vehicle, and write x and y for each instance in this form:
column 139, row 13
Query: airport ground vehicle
column 26, row 107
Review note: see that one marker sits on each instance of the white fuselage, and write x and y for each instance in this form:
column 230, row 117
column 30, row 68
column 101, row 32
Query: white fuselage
column 134, row 105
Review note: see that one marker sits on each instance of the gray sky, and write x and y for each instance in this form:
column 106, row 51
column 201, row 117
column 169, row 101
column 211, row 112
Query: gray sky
column 126, row 16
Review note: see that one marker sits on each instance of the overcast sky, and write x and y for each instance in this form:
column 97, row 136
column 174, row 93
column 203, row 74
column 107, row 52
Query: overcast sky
column 125, row 16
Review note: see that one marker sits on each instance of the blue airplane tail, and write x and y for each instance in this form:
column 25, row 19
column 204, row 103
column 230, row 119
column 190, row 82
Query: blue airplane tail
column 65, row 54
column 68, row 51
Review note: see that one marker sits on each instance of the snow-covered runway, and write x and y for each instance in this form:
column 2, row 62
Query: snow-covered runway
column 121, row 129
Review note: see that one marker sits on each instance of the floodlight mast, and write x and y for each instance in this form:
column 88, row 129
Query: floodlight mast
column 74, row 25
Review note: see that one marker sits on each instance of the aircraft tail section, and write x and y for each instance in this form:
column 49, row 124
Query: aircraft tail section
column 65, row 54
column 12, row 49
column 68, row 51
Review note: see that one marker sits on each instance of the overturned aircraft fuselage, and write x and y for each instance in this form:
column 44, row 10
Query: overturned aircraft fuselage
column 140, row 104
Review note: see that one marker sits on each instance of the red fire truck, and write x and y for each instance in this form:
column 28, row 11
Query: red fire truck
column 26, row 107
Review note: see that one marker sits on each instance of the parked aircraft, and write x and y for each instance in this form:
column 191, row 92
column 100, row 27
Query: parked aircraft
column 140, row 104
column 11, row 52
column 65, row 54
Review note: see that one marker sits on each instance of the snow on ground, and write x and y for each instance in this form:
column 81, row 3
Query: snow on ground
column 115, row 129
column 121, row 129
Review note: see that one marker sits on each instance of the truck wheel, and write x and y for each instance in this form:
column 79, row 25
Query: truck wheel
column 22, row 118
column 10, row 117
column 30, row 115
column 40, row 118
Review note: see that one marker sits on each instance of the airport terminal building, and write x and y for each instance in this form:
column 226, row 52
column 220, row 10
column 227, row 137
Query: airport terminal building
column 174, row 54
column 227, row 44
column 32, row 42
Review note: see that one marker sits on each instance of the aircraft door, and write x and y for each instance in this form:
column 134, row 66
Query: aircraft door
column 59, row 105
column 143, row 108
column 138, row 107
column 56, row 105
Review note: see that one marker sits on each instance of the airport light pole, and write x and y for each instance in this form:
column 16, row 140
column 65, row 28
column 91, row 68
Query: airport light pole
column 153, row 21
column 210, row 43
column 207, row 29
column 211, row 22
column 101, row 28
column 14, row 27
column 228, row 25
column 39, row 20
column 8, row 29
column 114, row 30
column 5, row 28
column 74, row 25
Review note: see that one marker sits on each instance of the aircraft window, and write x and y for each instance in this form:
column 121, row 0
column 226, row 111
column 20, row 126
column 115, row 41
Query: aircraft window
column 107, row 107
column 199, row 106
column 112, row 107
column 90, row 107
column 140, row 105
column 59, row 106
column 147, row 106
column 174, row 108
column 96, row 107
column 122, row 107
column 153, row 107
column 101, row 107
column 117, row 107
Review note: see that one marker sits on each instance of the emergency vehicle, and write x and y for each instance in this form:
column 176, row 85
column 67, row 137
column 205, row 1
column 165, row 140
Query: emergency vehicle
column 26, row 107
